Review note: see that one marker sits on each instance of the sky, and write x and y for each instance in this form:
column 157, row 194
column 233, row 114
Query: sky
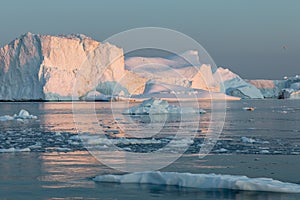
column 256, row 39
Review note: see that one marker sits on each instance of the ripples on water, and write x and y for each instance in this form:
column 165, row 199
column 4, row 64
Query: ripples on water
column 59, row 166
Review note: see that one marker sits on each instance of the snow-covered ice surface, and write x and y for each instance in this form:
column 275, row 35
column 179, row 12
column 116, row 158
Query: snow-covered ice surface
column 155, row 89
column 202, row 181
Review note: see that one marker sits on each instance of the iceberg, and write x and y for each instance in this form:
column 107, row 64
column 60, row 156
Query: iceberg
column 234, row 85
column 269, row 88
column 43, row 67
column 283, row 89
column 174, row 70
column 295, row 95
column 23, row 114
column 74, row 67
column 202, row 181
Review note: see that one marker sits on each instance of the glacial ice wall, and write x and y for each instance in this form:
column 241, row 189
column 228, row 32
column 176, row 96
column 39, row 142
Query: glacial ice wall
column 43, row 67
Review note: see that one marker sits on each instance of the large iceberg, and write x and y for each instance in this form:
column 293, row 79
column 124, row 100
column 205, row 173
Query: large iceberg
column 76, row 67
column 43, row 67
column 234, row 85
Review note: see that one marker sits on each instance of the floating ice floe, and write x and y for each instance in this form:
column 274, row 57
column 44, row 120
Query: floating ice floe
column 23, row 114
column 251, row 140
column 158, row 106
column 96, row 140
column 202, row 181
column 12, row 150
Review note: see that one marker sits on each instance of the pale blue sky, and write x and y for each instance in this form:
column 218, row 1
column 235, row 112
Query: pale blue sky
column 246, row 36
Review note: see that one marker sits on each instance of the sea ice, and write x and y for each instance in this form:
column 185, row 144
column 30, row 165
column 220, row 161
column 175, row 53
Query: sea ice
column 12, row 150
column 206, row 181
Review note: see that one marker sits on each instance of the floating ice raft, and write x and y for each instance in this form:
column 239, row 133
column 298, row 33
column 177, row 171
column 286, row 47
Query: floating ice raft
column 202, row 181
column 155, row 106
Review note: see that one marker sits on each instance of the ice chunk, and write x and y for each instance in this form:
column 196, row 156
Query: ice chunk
column 207, row 181
column 249, row 108
column 23, row 114
column 247, row 140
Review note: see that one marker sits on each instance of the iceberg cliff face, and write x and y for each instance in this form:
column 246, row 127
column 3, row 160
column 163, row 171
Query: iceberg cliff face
column 43, row 67
column 20, row 63
column 235, row 85
column 184, row 70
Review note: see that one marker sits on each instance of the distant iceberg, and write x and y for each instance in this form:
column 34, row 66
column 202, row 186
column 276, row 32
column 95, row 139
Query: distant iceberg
column 234, row 85
column 202, row 181
column 287, row 88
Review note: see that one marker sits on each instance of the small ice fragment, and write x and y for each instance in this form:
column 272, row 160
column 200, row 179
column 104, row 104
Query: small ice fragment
column 247, row 140
column 264, row 152
column 249, row 108
column 222, row 150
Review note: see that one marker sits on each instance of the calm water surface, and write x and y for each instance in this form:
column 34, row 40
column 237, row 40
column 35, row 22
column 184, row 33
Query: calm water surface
column 60, row 167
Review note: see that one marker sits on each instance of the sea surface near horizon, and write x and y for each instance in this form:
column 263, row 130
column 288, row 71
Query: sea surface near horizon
column 261, row 143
